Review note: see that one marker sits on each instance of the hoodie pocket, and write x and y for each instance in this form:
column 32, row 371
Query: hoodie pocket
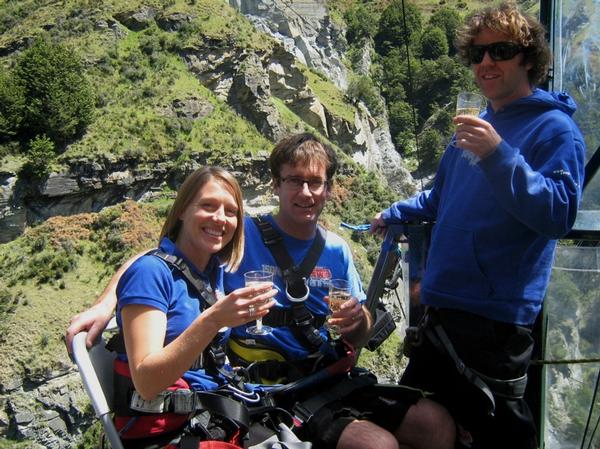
column 452, row 266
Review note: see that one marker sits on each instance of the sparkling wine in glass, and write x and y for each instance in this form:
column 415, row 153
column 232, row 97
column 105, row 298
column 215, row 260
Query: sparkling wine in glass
column 469, row 103
column 257, row 278
column 339, row 292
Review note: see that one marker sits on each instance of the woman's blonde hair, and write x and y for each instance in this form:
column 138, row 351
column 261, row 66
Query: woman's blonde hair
column 233, row 252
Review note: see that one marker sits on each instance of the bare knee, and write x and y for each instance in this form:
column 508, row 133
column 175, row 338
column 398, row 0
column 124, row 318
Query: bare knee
column 366, row 435
column 427, row 425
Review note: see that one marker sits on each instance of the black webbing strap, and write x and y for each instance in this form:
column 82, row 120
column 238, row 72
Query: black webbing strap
column 223, row 406
column 295, row 276
column 304, row 411
column 206, row 291
column 279, row 316
column 489, row 386
column 214, row 354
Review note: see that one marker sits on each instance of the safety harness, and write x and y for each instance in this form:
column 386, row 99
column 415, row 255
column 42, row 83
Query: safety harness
column 431, row 327
column 265, row 364
column 300, row 320
column 206, row 415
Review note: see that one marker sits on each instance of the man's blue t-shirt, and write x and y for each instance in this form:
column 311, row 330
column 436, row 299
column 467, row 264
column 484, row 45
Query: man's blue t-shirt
column 335, row 262
column 152, row 282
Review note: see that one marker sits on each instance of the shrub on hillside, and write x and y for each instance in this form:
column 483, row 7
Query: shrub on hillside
column 392, row 32
column 361, row 24
column 58, row 99
column 361, row 88
column 39, row 157
column 448, row 19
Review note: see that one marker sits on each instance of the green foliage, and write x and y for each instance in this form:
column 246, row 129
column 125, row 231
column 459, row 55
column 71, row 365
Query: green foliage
column 58, row 98
column 356, row 199
column 39, row 157
column 12, row 105
column 401, row 120
column 40, row 260
column 432, row 144
column 91, row 437
column 361, row 88
column 12, row 12
column 392, row 32
column 9, row 300
column 433, row 43
column 361, row 23
column 448, row 19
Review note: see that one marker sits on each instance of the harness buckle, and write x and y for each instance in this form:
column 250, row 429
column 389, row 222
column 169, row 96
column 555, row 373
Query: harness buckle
column 218, row 355
column 183, row 401
column 301, row 413
column 156, row 405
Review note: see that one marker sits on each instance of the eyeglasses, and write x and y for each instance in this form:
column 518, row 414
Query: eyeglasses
column 315, row 185
column 498, row 51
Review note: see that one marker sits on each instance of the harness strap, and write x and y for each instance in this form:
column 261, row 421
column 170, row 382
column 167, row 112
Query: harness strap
column 185, row 401
column 206, row 291
column 295, row 277
column 304, row 411
column 279, row 316
column 489, row 386
column 214, row 357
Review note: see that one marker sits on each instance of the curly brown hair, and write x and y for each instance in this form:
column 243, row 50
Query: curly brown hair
column 522, row 29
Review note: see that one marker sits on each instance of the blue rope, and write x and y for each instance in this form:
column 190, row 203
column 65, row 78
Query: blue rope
column 359, row 228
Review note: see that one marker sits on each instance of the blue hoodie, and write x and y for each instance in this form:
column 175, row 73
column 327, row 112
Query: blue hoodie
column 497, row 219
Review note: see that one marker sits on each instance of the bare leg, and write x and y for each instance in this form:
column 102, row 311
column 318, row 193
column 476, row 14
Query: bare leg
column 366, row 435
column 427, row 425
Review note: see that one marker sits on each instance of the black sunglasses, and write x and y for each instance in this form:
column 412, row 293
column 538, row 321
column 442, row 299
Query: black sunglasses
column 498, row 51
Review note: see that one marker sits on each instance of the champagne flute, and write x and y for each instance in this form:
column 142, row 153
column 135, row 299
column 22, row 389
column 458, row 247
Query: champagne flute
column 258, row 278
column 339, row 292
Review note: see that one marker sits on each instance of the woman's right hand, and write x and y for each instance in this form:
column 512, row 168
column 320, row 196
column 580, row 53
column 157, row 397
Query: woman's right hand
column 243, row 305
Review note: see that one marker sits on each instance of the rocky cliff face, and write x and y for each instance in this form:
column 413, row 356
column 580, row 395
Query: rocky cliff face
column 308, row 35
column 305, row 30
column 50, row 413
column 246, row 80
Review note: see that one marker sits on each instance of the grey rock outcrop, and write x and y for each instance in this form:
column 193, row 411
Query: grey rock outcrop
column 306, row 31
column 50, row 414
column 137, row 20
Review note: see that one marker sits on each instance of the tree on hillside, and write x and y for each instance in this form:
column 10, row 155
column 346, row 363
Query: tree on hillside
column 433, row 43
column 437, row 83
column 449, row 20
column 361, row 24
column 12, row 104
column 361, row 88
column 392, row 32
column 58, row 98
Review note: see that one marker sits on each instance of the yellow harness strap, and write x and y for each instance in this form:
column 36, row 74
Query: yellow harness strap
column 249, row 353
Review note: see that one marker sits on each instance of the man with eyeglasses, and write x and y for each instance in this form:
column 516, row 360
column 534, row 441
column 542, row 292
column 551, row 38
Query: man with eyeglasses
column 302, row 169
column 508, row 186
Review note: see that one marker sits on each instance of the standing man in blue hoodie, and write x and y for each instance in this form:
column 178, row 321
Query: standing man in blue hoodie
column 507, row 188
